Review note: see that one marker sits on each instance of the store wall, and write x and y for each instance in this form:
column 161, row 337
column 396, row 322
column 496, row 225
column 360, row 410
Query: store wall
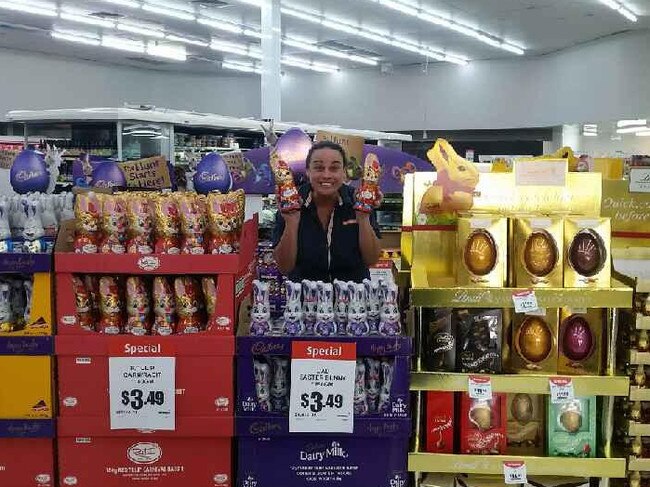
column 35, row 81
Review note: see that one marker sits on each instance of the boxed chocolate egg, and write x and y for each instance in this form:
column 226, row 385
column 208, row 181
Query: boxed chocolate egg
column 587, row 252
column 571, row 428
column 525, row 430
column 580, row 341
column 483, row 251
column 478, row 340
column 439, row 429
column 439, row 342
column 534, row 342
column 537, row 258
column 482, row 425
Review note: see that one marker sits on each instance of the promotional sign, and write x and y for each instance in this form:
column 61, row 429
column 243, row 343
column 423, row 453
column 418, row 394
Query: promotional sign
column 7, row 157
column 142, row 387
column 550, row 172
column 322, row 387
column 352, row 145
column 149, row 173
column 561, row 390
column 640, row 180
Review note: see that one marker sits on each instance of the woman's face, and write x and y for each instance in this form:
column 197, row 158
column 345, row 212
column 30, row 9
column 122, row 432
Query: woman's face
column 326, row 172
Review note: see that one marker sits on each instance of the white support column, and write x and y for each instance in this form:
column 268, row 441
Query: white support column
column 271, row 54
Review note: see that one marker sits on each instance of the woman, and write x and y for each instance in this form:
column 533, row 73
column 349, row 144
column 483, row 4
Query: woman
column 326, row 239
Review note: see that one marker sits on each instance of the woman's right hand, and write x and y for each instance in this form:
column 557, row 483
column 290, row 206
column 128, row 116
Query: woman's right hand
column 292, row 218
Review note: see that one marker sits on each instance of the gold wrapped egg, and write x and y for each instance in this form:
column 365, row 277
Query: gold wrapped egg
column 521, row 408
column 481, row 415
column 480, row 253
column 534, row 339
column 571, row 421
column 540, row 254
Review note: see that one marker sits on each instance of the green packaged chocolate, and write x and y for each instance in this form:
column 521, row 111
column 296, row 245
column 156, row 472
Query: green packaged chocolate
column 571, row 428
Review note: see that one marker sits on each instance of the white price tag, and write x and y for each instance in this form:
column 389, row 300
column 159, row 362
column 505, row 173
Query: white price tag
column 525, row 301
column 323, row 378
column 480, row 387
column 142, row 386
column 561, row 389
column 515, row 472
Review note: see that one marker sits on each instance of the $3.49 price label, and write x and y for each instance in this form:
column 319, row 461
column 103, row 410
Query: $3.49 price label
column 142, row 392
column 322, row 387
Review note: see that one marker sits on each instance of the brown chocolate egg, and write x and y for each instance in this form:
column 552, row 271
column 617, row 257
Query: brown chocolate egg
column 534, row 339
column 521, row 408
column 577, row 339
column 571, row 421
column 481, row 416
column 587, row 253
column 540, row 253
column 480, row 254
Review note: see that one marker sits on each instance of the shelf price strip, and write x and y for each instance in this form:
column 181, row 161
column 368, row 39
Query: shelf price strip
column 514, row 473
column 322, row 387
column 480, row 387
column 525, row 301
column 561, row 389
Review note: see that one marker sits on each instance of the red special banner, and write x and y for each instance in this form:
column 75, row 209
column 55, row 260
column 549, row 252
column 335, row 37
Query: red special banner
column 324, row 350
column 134, row 346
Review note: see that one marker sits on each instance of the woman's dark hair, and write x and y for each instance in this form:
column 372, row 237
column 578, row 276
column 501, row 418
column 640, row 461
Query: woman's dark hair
column 326, row 144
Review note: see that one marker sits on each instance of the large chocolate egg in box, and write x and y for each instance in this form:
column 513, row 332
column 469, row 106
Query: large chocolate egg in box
column 580, row 341
column 587, row 260
column 535, row 342
column 537, row 251
column 483, row 250
column 571, row 428
column 439, row 342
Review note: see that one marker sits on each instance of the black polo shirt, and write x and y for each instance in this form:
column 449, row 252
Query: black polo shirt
column 315, row 261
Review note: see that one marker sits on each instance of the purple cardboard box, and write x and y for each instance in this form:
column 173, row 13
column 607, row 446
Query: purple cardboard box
column 374, row 455
column 25, row 263
column 387, row 395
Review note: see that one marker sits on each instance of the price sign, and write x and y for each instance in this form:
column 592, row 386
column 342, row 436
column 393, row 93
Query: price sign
column 480, row 387
column 514, row 473
column 561, row 389
column 142, row 388
column 322, row 387
column 525, row 301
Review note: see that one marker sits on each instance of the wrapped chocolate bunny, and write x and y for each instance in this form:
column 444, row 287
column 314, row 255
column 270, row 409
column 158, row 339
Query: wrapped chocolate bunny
column 33, row 231
column 342, row 303
column 389, row 321
column 325, row 324
column 113, row 225
column 373, row 383
column 138, row 306
column 53, row 161
column 387, row 370
column 309, row 305
column 222, row 222
column 191, row 209
column 357, row 315
column 6, row 242
column 140, row 220
column 111, row 307
column 373, row 304
column 6, row 316
column 84, row 304
column 28, row 286
column 164, row 307
column 360, row 400
column 87, row 209
column 368, row 196
column 188, row 305
column 262, row 373
column 293, row 324
column 261, row 312
column 209, row 288
column 288, row 197
column 166, row 220
column 280, row 384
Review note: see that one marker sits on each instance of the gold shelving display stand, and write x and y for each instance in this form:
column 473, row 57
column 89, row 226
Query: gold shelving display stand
column 430, row 256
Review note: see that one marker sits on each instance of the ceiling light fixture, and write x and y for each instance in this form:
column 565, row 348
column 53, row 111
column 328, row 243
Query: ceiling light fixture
column 645, row 133
column 80, row 39
column 632, row 130
column 123, row 44
column 143, row 29
column 187, row 40
column 630, row 123
column 404, row 44
column 169, row 11
column 433, row 18
column 29, row 7
column 312, row 47
column 621, row 9
column 124, row 3
column 174, row 52
column 304, row 64
column 220, row 25
column 75, row 15
column 235, row 66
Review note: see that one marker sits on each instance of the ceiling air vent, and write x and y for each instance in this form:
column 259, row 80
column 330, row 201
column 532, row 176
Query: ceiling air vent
column 340, row 46
column 144, row 60
column 107, row 15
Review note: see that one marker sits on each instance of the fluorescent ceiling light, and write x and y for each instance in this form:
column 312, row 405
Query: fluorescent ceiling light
column 124, row 3
column 36, row 8
column 629, row 123
column 89, row 41
column 590, row 134
column 169, row 12
column 143, row 29
column 312, row 66
column 645, row 133
column 632, row 130
column 177, row 53
column 252, row 33
column 590, row 127
column 312, row 47
column 234, row 48
column 220, row 25
column 123, row 44
column 187, row 40
column 621, row 9
column 244, row 68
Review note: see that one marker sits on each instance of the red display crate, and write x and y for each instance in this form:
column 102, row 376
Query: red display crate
column 204, row 372
column 234, row 274
column 197, row 454
column 27, row 462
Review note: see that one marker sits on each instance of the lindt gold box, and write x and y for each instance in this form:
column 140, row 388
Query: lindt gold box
column 580, row 341
column 587, row 259
column 538, row 247
column 483, row 251
column 525, row 429
column 534, row 342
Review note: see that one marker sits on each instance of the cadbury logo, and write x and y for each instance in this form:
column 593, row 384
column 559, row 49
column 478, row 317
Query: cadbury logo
column 262, row 347
column 23, row 176
column 144, row 453
column 261, row 428
column 207, row 177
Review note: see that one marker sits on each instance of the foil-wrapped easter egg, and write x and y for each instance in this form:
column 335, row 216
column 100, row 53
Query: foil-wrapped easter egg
column 577, row 339
column 481, row 415
column 480, row 253
column 571, row 421
column 540, row 253
column 534, row 339
column 521, row 408
column 587, row 253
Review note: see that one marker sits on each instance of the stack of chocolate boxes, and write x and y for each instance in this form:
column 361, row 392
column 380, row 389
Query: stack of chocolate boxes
column 26, row 366
column 375, row 452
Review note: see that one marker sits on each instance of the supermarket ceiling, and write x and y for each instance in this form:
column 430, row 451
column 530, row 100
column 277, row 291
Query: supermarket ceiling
column 317, row 35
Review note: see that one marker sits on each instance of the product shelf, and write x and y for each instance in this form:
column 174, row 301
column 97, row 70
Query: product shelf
column 642, row 322
column 639, row 393
column 493, row 465
column 427, row 292
column 638, row 464
column 638, row 429
column 587, row 385
column 639, row 358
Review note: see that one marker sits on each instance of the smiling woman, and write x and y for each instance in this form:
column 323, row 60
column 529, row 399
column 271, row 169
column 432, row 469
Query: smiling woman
column 326, row 239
